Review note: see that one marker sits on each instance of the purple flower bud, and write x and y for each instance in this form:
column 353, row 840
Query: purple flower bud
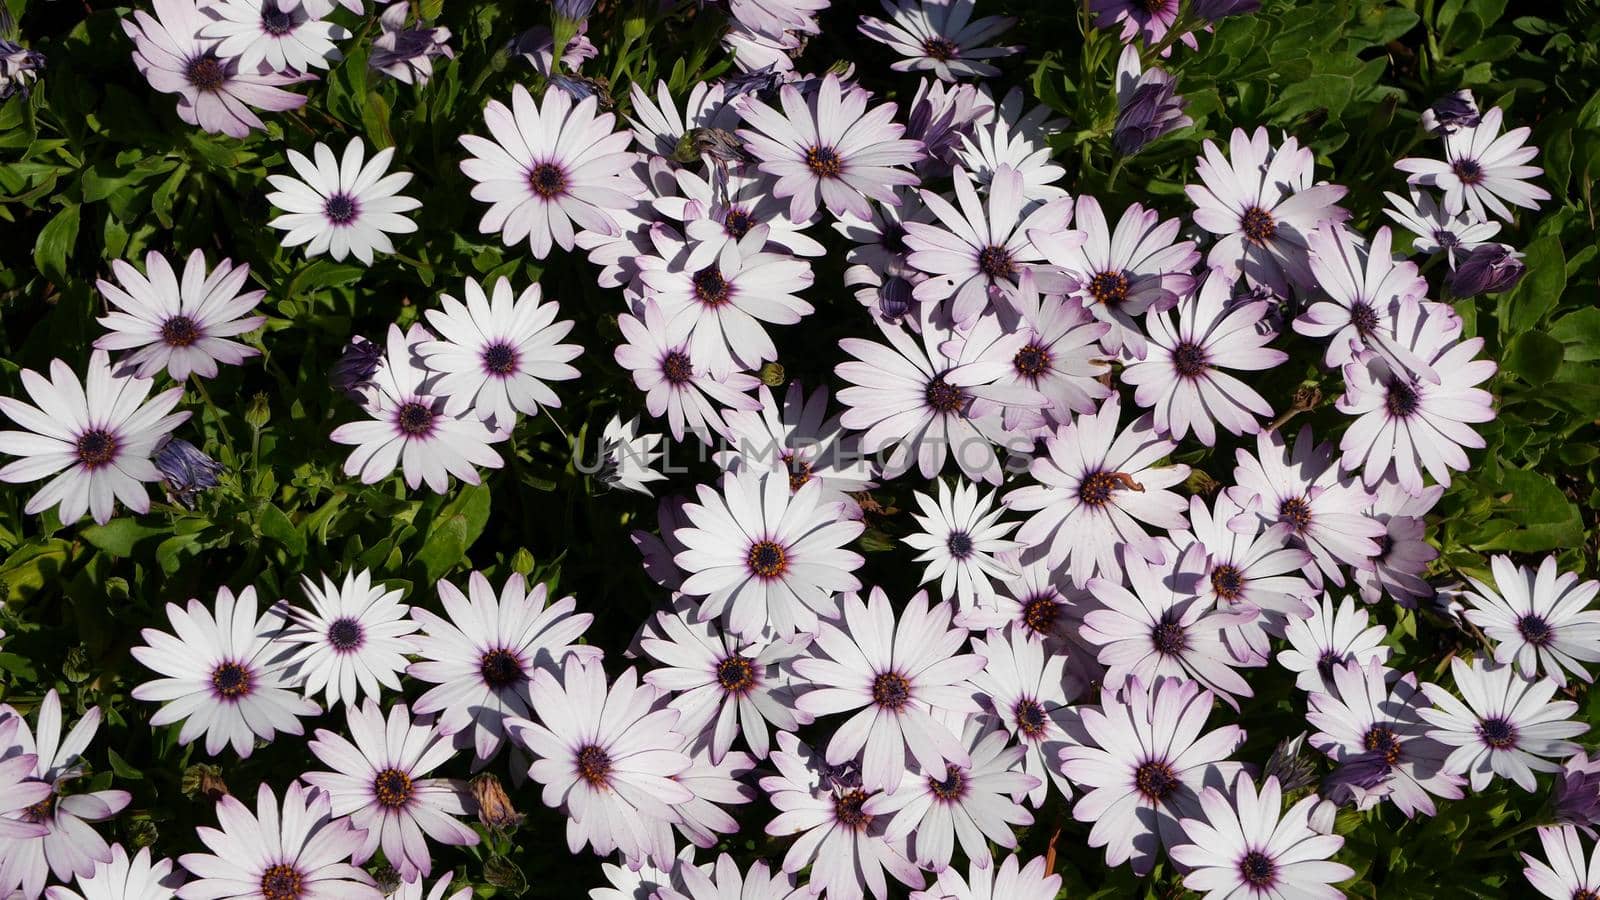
column 19, row 67
column 1221, row 9
column 894, row 298
column 1576, row 798
column 1488, row 269
column 1451, row 112
column 574, row 10
column 1293, row 769
column 406, row 53
column 353, row 371
column 1153, row 108
column 185, row 470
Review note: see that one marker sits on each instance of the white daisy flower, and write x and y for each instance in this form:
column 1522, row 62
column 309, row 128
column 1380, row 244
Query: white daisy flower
column 1570, row 874
column 1062, row 358
column 961, row 535
column 497, row 353
column 182, row 327
column 677, row 385
column 1438, row 231
column 723, row 205
column 1010, row 880
column 1005, row 140
column 1026, row 687
column 660, row 125
column 765, row 558
column 354, row 639
column 800, row 440
column 342, row 207
column 1248, row 845
column 939, row 37
column 628, row 458
column 273, row 35
column 1540, row 621
column 225, row 674
column 1331, row 637
column 409, row 427
column 124, row 879
column 1509, row 726
column 100, row 431
column 417, row 889
column 1482, row 170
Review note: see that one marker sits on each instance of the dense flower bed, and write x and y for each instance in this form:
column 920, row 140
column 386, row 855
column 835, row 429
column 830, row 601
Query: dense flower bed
column 763, row 449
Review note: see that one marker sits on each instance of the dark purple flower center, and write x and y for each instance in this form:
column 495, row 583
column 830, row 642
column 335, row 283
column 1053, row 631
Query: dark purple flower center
column 1097, row 488
column 1189, row 359
column 1169, row 637
column 1363, row 318
column 96, row 447
column 414, row 419
column 1041, row 614
column 676, row 368
column 1585, row 894
column 1297, row 512
column 230, row 680
column 206, row 73
column 847, row 810
column 41, row 811
column 392, row 788
column 1257, row 869
column 1446, row 238
column 594, row 766
column 1498, row 733
column 824, row 162
column 1031, row 361
column 944, row 397
column 1227, row 582
column 500, row 358
column 891, row 691
column 799, row 471
column 1327, row 661
column 280, row 882
column 547, row 180
column 950, row 788
column 1535, row 629
column 179, row 331
column 940, row 48
column 345, row 634
column 1258, row 225
column 1402, row 400
column 341, row 209
column 959, row 543
column 738, row 222
column 736, row 674
column 710, row 287
column 275, row 21
column 500, row 668
column 1467, row 170
column 1382, row 740
column 1109, row 287
column 1031, row 718
column 1156, row 780
column 996, row 262
column 767, row 559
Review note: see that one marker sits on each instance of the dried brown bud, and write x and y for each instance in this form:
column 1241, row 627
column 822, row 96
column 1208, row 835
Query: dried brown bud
column 204, row 780
column 494, row 807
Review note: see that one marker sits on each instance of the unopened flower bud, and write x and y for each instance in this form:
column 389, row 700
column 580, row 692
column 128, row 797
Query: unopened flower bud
column 185, row 470
column 494, row 807
column 1488, row 269
column 1451, row 112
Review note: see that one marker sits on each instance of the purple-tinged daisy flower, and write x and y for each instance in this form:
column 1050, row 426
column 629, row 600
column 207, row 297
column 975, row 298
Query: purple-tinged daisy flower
column 181, row 327
column 898, row 674
column 225, row 674
column 1008, row 881
column 722, row 206
column 1095, row 486
column 1397, row 570
column 1329, row 637
column 721, row 297
column 1250, row 568
column 726, row 882
column 185, row 470
column 1451, row 113
column 1437, row 231
column 1575, row 800
column 774, row 17
column 1488, row 269
column 214, row 93
column 823, row 808
column 1366, row 288
column 1164, row 628
column 380, row 782
column 928, row 405
column 978, row 252
column 1568, row 875
column 701, row 820
column 660, row 126
column 408, row 426
column 722, row 686
column 606, row 757
column 1061, row 360
column 1369, row 725
column 765, row 558
column 1407, row 424
column 417, row 889
column 547, row 167
column 358, row 362
column 960, row 538
column 1182, row 379
column 829, row 149
column 885, row 281
column 321, row 9
column 1118, row 275
column 263, row 35
column 497, row 352
column 354, row 639
column 19, row 791
column 1148, row 104
column 645, row 882
column 96, row 437
column 1144, row 762
column 1540, row 621
column 122, row 878
column 483, row 657
column 69, row 847
column 972, row 804
column 1026, row 688
column 406, row 51
column 1040, row 601
column 801, row 441
column 537, row 47
column 345, row 206
column 941, row 116
column 19, row 68
column 767, row 60
column 1302, row 487
column 628, row 458
column 297, row 852
column 1261, row 203
column 939, row 36
column 1509, row 726
column 677, row 385
column 1249, row 846
column 1482, row 170
column 1146, row 19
